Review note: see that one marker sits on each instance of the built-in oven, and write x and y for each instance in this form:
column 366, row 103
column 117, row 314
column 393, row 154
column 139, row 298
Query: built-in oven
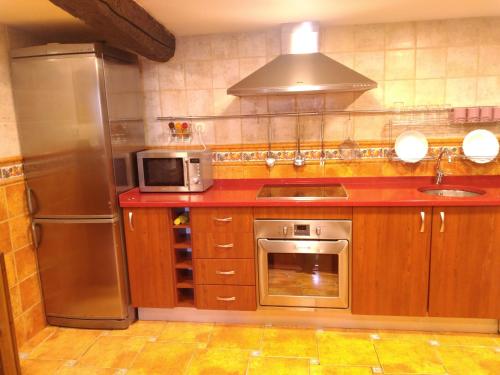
column 174, row 171
column 303, row 263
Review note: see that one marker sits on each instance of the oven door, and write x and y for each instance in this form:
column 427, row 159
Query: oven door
column 163, row 174
column 303, row 273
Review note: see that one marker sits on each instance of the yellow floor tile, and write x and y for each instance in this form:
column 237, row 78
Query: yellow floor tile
column 339, row 370
column 186, row 332
column 467, row 361
column 40, row 367
column 85, row 371
column 65, row 344
column 406, row 335
column 163, row 358
column 466, row 339
column 219, row 361
column 141, row 328
column 236, row 336
column 289, row 342
column 278, row 366
column 346, row 348
column 113, row 351
column 408, row 357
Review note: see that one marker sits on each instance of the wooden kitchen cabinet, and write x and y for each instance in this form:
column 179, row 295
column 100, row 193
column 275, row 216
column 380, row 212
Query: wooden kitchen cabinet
column 149, row 256
column 390, row 267
column 465, row 262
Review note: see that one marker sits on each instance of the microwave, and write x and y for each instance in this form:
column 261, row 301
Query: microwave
column 174, row 171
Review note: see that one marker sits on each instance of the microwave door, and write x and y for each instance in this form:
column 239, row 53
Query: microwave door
column 164, row 174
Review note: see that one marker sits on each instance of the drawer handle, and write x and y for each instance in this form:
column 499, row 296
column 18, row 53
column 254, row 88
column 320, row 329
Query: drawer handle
column 225, row 272
column 225, row 246
column 226, row 299
column 223, row 219
column 441, row 214
column 422, row 221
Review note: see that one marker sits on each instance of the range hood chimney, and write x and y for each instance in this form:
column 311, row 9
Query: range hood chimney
column 301, row 69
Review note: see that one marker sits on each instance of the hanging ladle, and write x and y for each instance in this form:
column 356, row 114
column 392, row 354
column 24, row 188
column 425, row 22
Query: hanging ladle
column 270, row 159
column 299, row 159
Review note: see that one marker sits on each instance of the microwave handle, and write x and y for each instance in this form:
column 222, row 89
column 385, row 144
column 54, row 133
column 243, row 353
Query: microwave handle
column 187, row 183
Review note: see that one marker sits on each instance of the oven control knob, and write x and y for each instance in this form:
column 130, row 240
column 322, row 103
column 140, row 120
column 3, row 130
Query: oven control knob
column 285, row 230
column 196, row 180
column 318, row 231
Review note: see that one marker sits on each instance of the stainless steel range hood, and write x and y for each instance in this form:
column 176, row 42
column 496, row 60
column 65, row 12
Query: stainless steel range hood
column 301, row 74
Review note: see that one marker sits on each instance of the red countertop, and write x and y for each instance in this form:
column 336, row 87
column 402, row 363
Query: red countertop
column 362, row 191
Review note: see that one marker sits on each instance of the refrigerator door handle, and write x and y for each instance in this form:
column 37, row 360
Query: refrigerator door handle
column 34, row 233
column 31, row 201
column 131, row 220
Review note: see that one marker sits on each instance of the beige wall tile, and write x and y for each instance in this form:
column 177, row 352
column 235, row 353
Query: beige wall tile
column 224, row 46
column 250, row 65
column 431, row 34
column 198, row 75
column 399, row 64
column 399, row 91
column 253, row 104
column 152, row 107
column 461, row 91
column 310, row 102
column 225, row 104
column 337, row 127
column 490, row 32
column 196, row 47
column 16, row 199
column 284, row 129
column 254, row 130
column 339, row 100
column 463, row 31
column 462, row 61
column 337, row 39
column 171, row 76
column 199, row 102
column 369, row 37
column 400, row 35
column 228, row 131
column 429, row 91
column 488, row 90
column 310, row 128
column 281, row 103
column 489, row 60
column 346, row 58
column 431, row 63
column 225, row 73
column 371, row 99
column 371, row 64
column 173, row 103
column 149, row 74
column 369, row 127
column 252, row 44
column 273, row 42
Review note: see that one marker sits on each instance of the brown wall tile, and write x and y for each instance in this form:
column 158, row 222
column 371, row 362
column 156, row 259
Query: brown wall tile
column 3, row 204
column 34, row 320
column 15, row 301
column 20, row 231
column 5, row 244
column 25, row 262
column 16, row 199
column 30, row 292
column 10, row 265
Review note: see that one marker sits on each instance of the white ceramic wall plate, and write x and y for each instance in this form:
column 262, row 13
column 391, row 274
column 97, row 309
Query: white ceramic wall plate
column 411, row 146
column 481, row 146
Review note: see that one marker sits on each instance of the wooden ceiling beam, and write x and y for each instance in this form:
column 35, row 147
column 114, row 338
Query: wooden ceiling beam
column 125, row 24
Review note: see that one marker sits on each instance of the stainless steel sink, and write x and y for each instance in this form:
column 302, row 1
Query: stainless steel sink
column 452, row 191
column 302, row 192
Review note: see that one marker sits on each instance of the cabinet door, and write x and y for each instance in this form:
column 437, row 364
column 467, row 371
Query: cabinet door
column 149, row 256
column 390, row 268
column 465, row 262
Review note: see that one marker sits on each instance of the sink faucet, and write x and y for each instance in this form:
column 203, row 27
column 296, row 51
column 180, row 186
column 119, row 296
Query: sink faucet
column 439, row 172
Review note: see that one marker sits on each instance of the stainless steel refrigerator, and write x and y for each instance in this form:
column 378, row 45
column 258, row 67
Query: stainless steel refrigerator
column 79, row 114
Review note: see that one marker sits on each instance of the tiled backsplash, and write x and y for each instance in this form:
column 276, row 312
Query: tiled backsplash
column 455, row 62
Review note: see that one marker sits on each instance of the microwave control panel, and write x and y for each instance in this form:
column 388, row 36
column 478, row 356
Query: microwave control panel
column 195, row 170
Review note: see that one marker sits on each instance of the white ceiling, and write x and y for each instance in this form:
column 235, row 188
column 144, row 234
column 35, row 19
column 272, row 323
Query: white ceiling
column 190, row 17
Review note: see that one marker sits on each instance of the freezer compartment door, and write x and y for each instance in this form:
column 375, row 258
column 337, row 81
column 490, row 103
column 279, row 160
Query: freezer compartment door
column 64, row 135
column 81, row 268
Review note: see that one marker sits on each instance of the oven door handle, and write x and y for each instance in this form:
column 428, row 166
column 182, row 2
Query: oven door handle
column 301, row 246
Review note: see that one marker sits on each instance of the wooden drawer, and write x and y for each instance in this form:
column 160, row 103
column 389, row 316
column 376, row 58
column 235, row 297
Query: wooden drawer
column 224, row 271
column 339, row 213
column 223, row 245
column 222, row 220
column 226, row 297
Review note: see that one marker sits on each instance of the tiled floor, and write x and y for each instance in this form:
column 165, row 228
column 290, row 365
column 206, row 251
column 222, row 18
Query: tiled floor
column 170, row 348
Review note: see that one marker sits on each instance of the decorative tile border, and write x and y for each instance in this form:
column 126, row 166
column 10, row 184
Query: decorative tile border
column 11, row 171
column 314, row 154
